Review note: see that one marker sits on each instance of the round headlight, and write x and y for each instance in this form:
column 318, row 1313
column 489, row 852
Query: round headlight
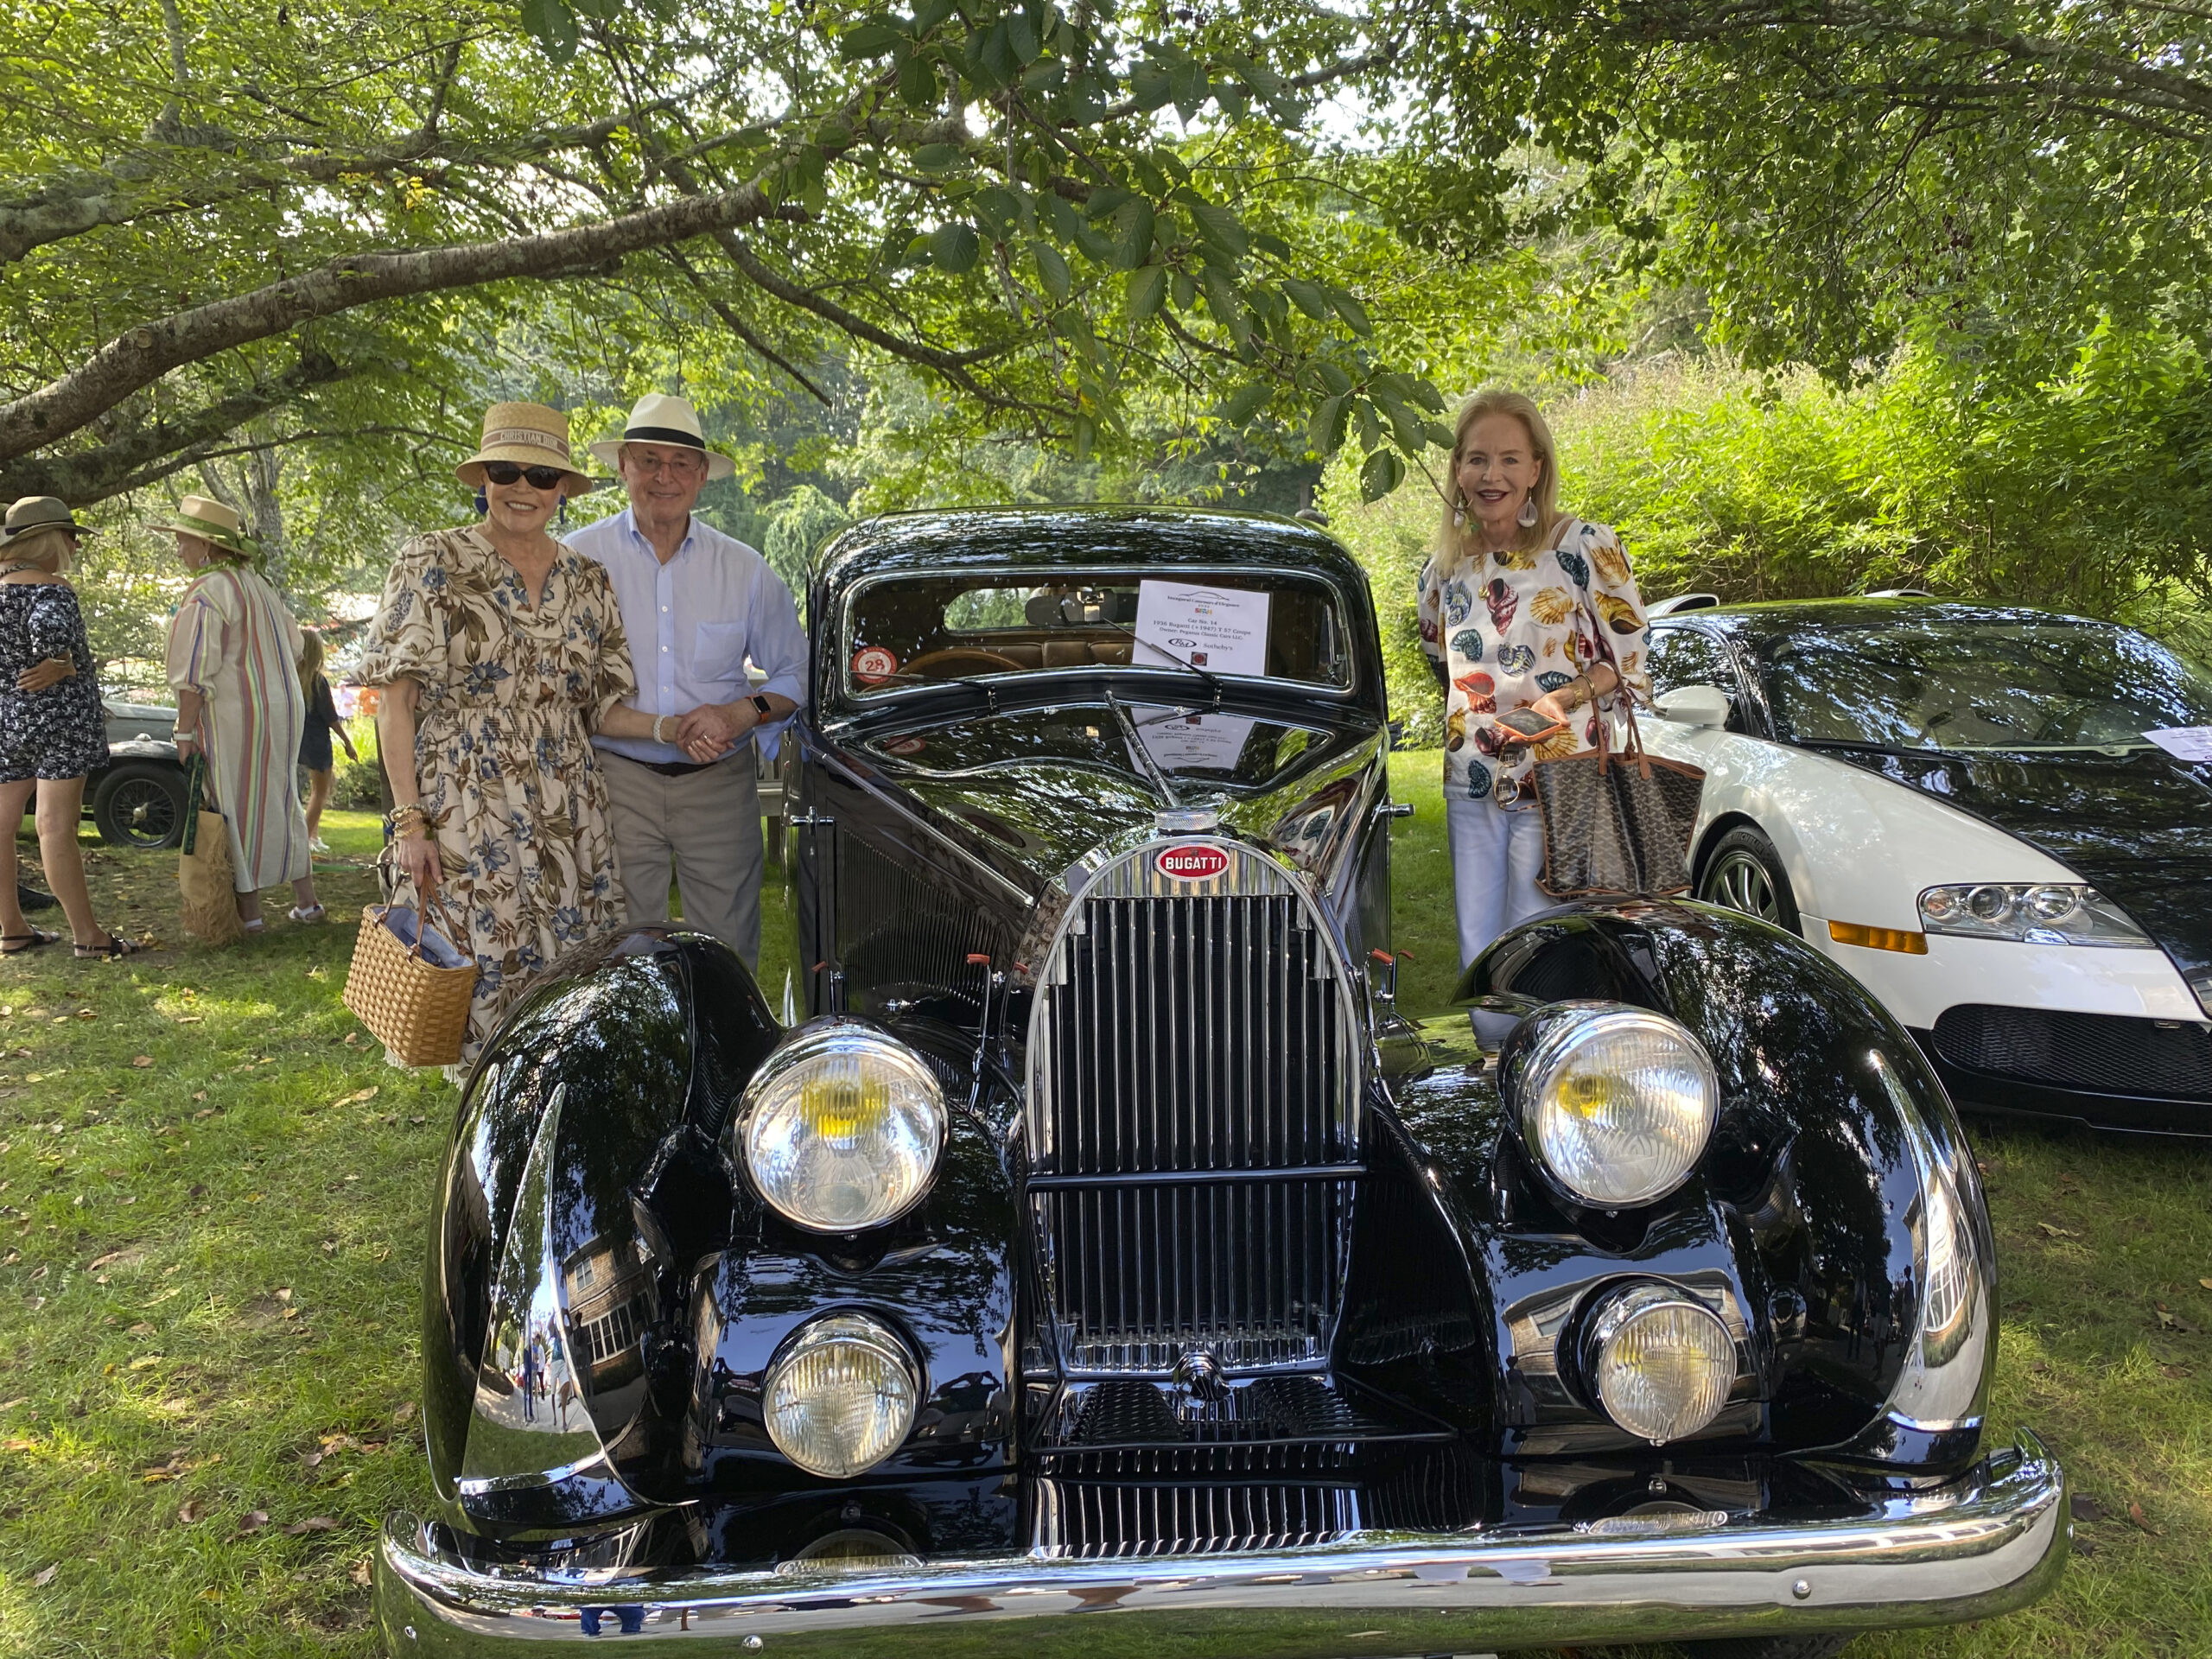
column 1660, row 1363
column 841, row 1127
column 2049, row 905
column 840, row 1396
column 1618, row 1102
column 1990, row 903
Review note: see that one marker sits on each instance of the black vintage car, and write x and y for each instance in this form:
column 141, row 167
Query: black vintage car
column 1102, row 1246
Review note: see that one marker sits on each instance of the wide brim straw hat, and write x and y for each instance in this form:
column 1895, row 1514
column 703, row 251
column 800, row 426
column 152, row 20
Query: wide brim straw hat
column 660, row 419
column 220, row 526
column 34, row 514
column 528, row 435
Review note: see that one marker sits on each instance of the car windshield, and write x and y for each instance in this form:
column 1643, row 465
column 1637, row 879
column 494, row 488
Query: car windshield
column 1234, row 749
column 1982, row 684
column 907, row 631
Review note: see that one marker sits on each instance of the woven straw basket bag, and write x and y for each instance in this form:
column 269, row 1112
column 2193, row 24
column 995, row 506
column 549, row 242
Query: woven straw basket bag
column 411, row 984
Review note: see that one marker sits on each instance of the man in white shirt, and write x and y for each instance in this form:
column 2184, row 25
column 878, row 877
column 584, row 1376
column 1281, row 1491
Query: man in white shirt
column 696, row 604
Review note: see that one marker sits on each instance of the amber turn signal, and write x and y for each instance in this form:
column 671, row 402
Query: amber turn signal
column 1880, row 938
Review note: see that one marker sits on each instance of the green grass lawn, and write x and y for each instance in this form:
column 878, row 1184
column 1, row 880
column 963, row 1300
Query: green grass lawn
column 214, row 1194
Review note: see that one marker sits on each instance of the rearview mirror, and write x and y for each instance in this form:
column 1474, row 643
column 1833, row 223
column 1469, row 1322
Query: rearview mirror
column 1694, row 705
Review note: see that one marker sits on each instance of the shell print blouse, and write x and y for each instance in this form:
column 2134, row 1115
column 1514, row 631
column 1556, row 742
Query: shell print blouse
column 1510, row 627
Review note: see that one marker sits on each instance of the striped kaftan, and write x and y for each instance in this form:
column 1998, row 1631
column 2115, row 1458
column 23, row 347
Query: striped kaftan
column 233, row 642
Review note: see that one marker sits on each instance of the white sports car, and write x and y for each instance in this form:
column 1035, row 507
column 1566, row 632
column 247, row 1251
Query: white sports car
column 1957, row 804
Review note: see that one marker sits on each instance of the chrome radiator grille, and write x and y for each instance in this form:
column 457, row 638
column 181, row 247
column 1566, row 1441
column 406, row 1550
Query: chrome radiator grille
column 1192, row 1121
column 1152, row 1505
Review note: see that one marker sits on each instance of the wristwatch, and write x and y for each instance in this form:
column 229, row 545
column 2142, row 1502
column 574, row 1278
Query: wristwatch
column 761, row 705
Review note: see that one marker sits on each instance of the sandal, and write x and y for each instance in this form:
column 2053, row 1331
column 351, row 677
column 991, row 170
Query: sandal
column 14, row 944
column 115, row 949
column 308, row 913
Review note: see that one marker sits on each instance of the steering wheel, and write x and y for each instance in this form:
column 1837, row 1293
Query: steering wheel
column 963, row 657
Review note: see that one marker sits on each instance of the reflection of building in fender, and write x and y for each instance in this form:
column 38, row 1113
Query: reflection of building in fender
column 610, row 1302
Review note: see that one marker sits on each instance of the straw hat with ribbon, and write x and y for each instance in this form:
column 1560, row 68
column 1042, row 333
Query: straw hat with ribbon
column 36, row 513
column 528, row 435
column 221, row 527
column 662, row 419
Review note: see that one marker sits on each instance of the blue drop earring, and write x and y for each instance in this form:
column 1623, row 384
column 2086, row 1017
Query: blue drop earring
column 483, row 504
column 563, row 520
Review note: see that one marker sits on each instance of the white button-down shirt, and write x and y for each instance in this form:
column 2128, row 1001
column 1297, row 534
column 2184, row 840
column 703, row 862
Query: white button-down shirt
column 693, row 623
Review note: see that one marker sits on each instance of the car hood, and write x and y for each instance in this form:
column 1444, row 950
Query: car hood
column 991, row 783
column 2138, row 826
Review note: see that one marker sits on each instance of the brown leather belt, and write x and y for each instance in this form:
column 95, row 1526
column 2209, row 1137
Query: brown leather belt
column 672, row 768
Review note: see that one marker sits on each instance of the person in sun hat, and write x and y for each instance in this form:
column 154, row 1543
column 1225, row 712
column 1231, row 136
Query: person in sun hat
column 500, row 653
column 234, row 658
column 698, row 606
column 53, row 730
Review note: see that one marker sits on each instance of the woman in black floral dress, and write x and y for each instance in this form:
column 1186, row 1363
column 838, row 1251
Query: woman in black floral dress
column 53, row 730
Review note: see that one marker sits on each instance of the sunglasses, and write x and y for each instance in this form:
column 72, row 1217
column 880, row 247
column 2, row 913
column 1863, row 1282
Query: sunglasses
column 505, row 472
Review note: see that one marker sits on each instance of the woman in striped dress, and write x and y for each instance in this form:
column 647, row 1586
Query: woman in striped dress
column 233, row 657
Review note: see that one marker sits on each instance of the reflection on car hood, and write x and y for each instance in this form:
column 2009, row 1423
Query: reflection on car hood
column 1045, row 810
column 2138, row 826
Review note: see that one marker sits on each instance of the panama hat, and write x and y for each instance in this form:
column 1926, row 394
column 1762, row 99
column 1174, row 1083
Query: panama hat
column 36, row 512
column 214, row 523
column 528, row 435
column 662, row 419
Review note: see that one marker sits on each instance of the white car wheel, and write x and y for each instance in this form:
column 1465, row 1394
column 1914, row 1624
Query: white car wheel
column 1744, row 872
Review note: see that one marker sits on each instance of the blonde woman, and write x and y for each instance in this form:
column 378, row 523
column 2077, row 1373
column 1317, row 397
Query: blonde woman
column 53, row 730
column 1521, row 606
column 234, row 665
column 322, row 723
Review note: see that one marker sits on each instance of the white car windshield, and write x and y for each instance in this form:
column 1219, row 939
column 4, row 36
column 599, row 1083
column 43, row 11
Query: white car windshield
column 912, row 631
column 1981, row 683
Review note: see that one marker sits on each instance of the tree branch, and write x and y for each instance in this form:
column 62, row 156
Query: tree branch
column 136, row 359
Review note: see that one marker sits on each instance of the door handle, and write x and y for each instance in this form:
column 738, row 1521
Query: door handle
column 813, row 820
column 1394, row 809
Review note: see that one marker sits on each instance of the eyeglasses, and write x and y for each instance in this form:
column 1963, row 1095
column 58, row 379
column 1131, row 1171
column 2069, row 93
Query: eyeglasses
column 505, row 472
column 676, row 465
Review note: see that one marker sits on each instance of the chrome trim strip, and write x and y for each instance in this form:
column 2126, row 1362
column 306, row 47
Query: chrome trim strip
column 1992, row 1542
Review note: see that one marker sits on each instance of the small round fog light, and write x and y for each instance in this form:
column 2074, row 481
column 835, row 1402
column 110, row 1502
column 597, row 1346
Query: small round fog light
column 1990, row 904
column 1660, row 1363
column 2049, row 905
column 840, row 1396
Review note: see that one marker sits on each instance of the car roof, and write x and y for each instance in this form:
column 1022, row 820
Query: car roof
column 1776, row 619
column 995, row 538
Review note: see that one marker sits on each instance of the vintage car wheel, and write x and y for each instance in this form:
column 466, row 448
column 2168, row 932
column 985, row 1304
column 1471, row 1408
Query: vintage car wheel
column 141, row 803
column 1744, row 873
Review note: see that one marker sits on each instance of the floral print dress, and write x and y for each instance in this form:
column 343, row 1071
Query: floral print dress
column 510, row 693
column 1508, row 628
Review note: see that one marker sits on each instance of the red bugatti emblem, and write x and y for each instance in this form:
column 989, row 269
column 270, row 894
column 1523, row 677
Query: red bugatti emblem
column 1192, row 863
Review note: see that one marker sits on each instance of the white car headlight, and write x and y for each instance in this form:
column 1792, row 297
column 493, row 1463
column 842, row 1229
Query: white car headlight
column 1616, row 1103
column 841, row 1127
column 1659, row 1362
column 2043, row 912
column 840, row 1396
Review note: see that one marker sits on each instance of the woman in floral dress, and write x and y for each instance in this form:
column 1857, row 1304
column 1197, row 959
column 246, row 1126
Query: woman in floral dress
column 1521, row 608
column 500, row 652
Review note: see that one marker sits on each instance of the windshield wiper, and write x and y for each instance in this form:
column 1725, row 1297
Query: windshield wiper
column 1207, row 675
column 990, row 692
column 1140, row 754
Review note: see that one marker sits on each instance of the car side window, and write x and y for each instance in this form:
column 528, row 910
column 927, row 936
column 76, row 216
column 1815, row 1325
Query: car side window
column 1689, row 656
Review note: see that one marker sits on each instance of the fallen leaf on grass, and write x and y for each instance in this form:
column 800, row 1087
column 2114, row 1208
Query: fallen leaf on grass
column 252, row 1522
column 205, row 1111
column 2135, row 1514
column 141, row 1061
column 18, row 1446
column 2176, row 1371
column 115, row 1258
column 405, row 1414
column 88, row 1014
column 192, row 1512
column 358, row 1097
column 2207, row 1283
column 141, row 1329
column 2058, row 1232
column 284, row 1292
column 44, row 1576
column 360, row 1572
column 313, row 1523
column 2085, row 1508
column 147, row 1364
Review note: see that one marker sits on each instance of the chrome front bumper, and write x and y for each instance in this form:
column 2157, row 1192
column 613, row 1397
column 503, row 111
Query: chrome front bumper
column 1989, row 1543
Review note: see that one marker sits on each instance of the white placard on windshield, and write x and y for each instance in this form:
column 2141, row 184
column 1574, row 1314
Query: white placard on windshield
column 1196, row 743
column 2184, row 742
column 1222, row 630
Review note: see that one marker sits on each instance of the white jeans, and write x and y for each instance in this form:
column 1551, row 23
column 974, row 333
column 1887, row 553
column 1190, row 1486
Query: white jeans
column 1497, row 856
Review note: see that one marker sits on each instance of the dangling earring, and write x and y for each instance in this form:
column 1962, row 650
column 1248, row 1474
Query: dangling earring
column 563, row 520
column 1529, row 512
column 483, row 502
column 1459, row 515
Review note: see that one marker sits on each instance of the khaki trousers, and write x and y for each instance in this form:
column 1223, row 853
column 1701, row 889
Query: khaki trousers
column 709, row 823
